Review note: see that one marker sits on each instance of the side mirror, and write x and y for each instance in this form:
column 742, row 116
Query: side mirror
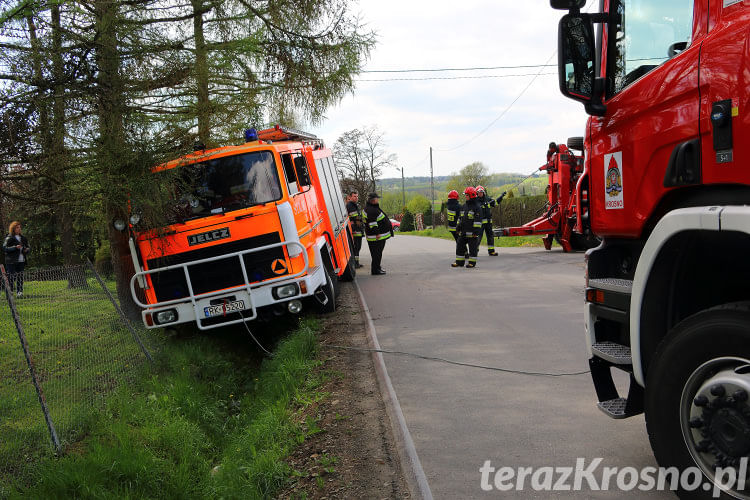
column 303, row 176
column 567, row 4
column 576, row 62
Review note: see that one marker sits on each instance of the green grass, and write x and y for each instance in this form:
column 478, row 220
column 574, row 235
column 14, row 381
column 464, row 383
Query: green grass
column 209, row 420
column 500, row 242
column 81, row 351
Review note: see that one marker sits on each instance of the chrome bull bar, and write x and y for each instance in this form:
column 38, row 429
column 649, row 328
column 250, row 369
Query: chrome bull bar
column 247, row 286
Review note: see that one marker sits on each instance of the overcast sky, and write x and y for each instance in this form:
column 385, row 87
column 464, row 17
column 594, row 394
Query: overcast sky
column 444, row 114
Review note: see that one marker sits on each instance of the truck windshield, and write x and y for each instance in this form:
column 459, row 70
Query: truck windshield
column 225, row 184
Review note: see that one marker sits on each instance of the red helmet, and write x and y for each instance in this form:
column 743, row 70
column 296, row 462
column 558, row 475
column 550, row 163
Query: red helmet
column 453, row 195
column 480, row 189
column 470, row 192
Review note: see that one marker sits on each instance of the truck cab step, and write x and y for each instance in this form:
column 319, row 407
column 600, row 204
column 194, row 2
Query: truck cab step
column 616, row 408
column 612, row 285
column 613, row 352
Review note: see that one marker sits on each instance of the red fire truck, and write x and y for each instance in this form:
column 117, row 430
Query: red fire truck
column 255, row 230
column 666, row 85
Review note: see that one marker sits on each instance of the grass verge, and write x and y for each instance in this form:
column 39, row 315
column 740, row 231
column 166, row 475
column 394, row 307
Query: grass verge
column 208, row 422
column 503, row 241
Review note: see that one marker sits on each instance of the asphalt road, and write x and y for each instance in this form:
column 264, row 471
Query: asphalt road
column 520, row 311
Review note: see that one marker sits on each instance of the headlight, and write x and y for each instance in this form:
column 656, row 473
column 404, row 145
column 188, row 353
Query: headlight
column 135, row 219
column 295, row 306
column 163, row 317
column 119, row 224
column 285, row 291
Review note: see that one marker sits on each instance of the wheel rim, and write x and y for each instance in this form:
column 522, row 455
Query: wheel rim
column 715, row 417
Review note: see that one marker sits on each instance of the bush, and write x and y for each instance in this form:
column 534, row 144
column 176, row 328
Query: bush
column 518, row 211
column 103, row 260
column 407, row 220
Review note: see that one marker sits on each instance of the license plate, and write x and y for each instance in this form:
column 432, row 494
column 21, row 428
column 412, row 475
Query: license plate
column 222, row 309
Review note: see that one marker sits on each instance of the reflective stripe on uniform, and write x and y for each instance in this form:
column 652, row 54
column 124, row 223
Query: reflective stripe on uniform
column 379, row 237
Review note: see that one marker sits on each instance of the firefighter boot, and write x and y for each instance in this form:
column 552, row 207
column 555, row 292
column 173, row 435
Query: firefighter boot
column 492, row 252
column 471, row 264
column 459, row 262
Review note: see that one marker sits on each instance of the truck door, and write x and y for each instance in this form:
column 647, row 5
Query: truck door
column 298, row 183
column 724, row 92
column 652, row 100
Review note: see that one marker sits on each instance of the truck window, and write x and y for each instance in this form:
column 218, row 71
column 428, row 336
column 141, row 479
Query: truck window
column 225, row 184
column 649, row 32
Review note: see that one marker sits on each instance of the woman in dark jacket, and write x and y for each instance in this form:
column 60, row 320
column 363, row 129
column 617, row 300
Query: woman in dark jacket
column 16, row 249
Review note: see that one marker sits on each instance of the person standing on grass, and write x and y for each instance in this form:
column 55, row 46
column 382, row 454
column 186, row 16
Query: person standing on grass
column 16, row 248
column 378, row 228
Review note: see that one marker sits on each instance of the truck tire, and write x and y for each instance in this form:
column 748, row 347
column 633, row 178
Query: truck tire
column 329, row 290
column 696, row 403
column 350, row 272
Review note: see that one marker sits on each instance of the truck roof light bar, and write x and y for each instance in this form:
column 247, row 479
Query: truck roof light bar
column 281, row 133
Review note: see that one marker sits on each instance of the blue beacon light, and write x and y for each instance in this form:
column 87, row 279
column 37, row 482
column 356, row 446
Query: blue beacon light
column 251, row 135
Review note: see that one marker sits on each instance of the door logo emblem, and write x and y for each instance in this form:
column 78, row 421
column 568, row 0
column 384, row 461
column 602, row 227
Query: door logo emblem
column 613, row 186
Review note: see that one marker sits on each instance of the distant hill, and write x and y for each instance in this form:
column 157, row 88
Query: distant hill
column 421, row 185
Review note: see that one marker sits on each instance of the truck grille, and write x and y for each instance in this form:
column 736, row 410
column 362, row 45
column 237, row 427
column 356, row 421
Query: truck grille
column 217, row 274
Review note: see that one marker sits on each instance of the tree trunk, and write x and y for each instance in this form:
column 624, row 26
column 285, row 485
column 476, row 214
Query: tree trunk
column 112, row 151
column 59, row 157
column 203, row 104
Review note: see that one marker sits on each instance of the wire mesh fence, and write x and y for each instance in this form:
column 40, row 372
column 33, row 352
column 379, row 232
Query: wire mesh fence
column 63, row 347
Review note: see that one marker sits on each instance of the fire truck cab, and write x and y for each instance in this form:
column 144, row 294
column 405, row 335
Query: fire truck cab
column 255, row 230
column 667, row 153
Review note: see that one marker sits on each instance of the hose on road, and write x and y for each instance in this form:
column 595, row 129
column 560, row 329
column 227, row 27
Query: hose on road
column 459, row 363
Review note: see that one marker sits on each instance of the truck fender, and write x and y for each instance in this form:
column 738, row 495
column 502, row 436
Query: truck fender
column 674, row 222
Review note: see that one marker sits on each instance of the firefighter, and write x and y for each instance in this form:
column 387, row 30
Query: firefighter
column 453, row 211
column 378, row 228
column 486, row 203
column 469, row 230
column 356, row 218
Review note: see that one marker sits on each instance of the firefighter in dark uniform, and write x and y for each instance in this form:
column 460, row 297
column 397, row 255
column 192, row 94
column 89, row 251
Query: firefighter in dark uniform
column 487, row 203
column 469, row 229
column 378, row 228
column 357, row 219
column 453, row 212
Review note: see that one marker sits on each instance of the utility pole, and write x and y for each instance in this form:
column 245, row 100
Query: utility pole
column 432, row 194
column 403, row 189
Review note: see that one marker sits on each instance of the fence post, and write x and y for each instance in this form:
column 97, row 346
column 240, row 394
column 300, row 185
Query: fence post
column 119, row 311
column 29, row 361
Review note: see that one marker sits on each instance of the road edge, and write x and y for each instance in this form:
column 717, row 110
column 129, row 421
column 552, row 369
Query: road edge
column 407, row 452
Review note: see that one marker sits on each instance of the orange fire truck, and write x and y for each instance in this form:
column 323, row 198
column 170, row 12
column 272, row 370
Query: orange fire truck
column 255, row 231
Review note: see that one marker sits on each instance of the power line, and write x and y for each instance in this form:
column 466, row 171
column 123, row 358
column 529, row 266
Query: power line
column 451, row 78
column 485, row 129
column 477, row 68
